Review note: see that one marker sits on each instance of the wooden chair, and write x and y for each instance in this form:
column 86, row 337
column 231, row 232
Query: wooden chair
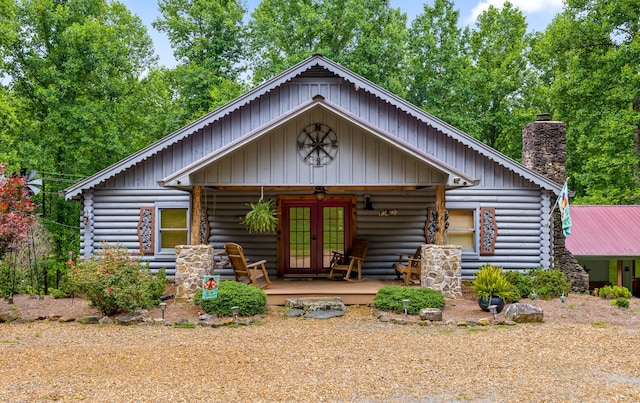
column 351, row 261
column 409, row 267
column 241, row 268
column 219, row 261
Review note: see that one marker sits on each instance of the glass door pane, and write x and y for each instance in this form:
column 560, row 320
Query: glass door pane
column 299, row 237
column 332, row 233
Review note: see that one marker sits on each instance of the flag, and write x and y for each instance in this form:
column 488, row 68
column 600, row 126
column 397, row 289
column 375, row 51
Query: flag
column 563, row 204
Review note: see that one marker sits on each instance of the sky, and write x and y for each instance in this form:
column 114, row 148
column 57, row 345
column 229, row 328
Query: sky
column 538, row 13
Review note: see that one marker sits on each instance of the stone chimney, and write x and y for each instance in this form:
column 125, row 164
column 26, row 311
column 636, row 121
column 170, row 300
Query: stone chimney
column 544, row 150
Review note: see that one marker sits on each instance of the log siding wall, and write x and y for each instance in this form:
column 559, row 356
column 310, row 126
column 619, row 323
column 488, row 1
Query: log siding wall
column 521, row 243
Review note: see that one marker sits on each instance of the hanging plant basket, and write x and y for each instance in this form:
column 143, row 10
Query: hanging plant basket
column 262, row 217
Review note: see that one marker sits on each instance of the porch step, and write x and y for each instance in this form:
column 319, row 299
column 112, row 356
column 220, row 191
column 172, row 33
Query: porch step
column 359, row 293
column 310, row 304
column 315, row 307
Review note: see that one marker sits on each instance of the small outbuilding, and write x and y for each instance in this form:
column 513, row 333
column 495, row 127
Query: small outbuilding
column 606, row 242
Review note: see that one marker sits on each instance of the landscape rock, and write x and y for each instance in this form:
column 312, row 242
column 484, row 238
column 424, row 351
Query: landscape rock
column 9, row 316
column 294, row 313
column 432, row 314
column 315, row 307
column 523, row 313
column 204, row 317
column 316, row 303
column 324, row 314
column 128, row 320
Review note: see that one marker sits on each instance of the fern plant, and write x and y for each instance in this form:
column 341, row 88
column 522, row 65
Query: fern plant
column 262, row 217
column 491, row 282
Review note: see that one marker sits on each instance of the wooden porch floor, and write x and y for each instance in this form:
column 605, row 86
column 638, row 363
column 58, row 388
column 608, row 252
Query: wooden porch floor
column 361, row 292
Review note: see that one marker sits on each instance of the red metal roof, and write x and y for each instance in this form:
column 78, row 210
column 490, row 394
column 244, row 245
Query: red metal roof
column 604, row 231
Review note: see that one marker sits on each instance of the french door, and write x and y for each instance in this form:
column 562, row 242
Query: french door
column 311, row 230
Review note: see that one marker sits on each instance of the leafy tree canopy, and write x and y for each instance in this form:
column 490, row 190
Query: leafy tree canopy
column 367, row 36
column 588, row 58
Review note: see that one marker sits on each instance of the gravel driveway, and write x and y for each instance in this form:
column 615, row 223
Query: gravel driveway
column 354, row 358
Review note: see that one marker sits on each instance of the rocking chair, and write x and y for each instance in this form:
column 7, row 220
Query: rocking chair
column 409, row 267
column 351, row 261
column 241, row 268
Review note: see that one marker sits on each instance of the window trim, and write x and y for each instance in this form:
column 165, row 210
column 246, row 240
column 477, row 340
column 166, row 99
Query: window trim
column 157, row 231
column 473, row 253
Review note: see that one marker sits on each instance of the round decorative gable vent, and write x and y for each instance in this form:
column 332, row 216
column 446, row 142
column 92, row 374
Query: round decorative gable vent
column 317, row 144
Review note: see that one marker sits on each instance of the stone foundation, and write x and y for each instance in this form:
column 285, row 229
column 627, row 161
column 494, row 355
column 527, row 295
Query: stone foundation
column 442, row 269
column 193, row 262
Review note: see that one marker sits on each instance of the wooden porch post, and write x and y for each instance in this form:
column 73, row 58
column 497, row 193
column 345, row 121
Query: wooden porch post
column 619, row 274
column 441, row 203
column 196, row 211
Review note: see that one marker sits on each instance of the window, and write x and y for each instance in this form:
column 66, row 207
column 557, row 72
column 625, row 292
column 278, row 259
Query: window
column 462, row 229
column 173, row 229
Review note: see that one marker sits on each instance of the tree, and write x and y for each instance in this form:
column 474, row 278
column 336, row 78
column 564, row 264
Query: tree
column 368, row 37
column 207, row 38
column 476, row 79
column 437, row 63
column 588, row 58
column 8, row 119
column 497, row 79
column 74, row 63
column 76, row 71
column 16, row 208
column 16, row 220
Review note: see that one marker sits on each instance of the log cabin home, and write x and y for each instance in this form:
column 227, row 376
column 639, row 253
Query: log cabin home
column 341, row 158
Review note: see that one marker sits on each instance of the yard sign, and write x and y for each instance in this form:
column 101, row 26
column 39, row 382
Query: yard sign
column 210, row 287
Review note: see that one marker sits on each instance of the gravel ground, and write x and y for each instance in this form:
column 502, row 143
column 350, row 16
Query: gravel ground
column 585, row 350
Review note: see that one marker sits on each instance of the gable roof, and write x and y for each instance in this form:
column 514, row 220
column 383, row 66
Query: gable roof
column 312, row 65
column 181, row 178
column 604, row 231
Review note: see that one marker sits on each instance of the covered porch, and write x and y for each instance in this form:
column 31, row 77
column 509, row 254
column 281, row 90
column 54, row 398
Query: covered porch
column 441, row 270
column 332, row 177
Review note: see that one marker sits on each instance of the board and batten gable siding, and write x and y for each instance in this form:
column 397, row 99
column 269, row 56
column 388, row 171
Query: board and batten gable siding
column 362, row 159
column 383, row 115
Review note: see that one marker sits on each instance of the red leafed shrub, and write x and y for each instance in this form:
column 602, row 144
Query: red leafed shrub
column 16, row 212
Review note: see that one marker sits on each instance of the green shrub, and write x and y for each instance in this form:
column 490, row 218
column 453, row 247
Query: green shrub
column 115, row 281
column 521, row 282
column 390, row 298
column 491, row 282
column 549, row 283
column 612, row 292
column 249, row 299
column 620, row 302
column 58, row 293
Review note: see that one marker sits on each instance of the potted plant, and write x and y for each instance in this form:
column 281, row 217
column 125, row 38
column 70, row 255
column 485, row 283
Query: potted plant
column 262, row 217
column 492, row 288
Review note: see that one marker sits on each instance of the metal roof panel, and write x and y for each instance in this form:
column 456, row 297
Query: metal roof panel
column 604, row 231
